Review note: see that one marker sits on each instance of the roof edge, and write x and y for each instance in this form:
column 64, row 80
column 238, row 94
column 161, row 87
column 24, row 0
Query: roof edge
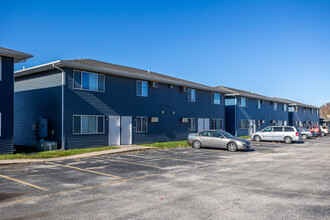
column 17, row 55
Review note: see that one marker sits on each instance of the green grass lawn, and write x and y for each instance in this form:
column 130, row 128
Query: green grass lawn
column 244, row 137
column 170, row 144
column 51, row 154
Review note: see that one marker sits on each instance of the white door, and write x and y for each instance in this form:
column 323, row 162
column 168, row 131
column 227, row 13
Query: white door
column 252, row 127
column 126, row 130
column 206, row 124
column 200, row 124
column 114, row 130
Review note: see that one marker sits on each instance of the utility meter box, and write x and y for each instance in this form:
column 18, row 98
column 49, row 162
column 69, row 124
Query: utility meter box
column 46, row 145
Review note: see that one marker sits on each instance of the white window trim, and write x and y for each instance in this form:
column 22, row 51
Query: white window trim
column 141, row 88
column 81, row 88
column 97, row 121
column 139, row 132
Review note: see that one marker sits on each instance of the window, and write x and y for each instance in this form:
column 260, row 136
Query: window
column 205, row 134
column 88, row 124
column 216, row 98
column 259, row 104
column 317, row 112
column 216, row 124
column 278, row 129
column 141, row 124
column 242, row 102
column 296, row 108
column 142, row 88
column 312, row 111
column 191, row 95
column 275, row 106
column 215, row 134
column 243, row 124
column 258, row 124
column 288, row 129
column 285, row 107
column 304, row 110
column 268, row 129
column 191, row 124
column 88, row 81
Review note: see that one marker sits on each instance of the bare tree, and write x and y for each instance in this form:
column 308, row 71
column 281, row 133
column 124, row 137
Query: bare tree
column 325, row 110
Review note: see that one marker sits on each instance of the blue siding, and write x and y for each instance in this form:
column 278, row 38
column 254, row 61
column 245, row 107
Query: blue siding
column 7, row 105
column 120, row 98
column 302, row 117
column 251, row 112
column 35, row 96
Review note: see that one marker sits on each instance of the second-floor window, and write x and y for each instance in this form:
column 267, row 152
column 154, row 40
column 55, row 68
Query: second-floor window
column 259, row 104
column 191, row 95
column 275, row 106
column 285, row 107
column 141, row 88
column 296, row 108
column 242, row 102
column 88, row 81
column 216, row 98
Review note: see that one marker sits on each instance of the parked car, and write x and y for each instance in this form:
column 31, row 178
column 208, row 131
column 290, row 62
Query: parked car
column 324, row 130
column 288, row 134
column 315, row 128
column 217, row 139
column 306, row 133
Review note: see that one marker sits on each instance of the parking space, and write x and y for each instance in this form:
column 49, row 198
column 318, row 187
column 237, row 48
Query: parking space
column 265, row 170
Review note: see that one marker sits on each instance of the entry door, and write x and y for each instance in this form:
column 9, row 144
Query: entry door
column 203, row 124
column 114, row 130
column 252, row 127
column 126, row 130
column 200, row 124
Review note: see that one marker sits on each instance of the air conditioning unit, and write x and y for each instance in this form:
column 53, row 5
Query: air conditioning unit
column 185, row 89
column 184, row 120
column 154, row 85
column 154, row 119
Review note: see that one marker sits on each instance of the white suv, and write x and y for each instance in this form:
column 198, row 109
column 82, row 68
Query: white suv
column 324, row 130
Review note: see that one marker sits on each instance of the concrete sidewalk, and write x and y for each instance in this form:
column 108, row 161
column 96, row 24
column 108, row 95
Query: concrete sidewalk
column 121, row 149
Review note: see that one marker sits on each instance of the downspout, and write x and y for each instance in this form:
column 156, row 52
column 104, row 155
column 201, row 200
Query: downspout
column 62, row 117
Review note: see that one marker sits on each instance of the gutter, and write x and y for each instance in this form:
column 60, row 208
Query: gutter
column 62, row 110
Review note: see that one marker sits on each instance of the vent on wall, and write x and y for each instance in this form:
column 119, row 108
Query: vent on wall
column 154, row 85
column 154, row 119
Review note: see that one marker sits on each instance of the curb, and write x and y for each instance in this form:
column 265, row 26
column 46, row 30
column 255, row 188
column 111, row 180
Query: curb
column 123, row 149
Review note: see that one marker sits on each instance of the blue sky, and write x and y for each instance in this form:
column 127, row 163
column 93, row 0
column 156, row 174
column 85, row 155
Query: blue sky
column 275, row 48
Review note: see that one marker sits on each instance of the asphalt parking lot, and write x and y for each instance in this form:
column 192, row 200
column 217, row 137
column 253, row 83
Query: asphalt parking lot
column 270, row 181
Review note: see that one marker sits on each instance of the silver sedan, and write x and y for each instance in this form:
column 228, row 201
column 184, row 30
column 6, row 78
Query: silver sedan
column 218, row 139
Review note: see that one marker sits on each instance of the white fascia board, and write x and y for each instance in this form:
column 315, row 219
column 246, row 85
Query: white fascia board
column 18, row 56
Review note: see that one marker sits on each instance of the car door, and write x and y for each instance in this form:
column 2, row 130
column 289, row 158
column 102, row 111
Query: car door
column 278, row 133
column 267, row 134
column 217, row 140
column 205, row 137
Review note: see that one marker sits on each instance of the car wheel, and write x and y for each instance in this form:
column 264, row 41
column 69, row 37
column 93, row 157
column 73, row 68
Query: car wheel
column 232, row 147
column 197, row 144
column 288, row 140
column 257, row 138
column 323, row 134
column 304, row 136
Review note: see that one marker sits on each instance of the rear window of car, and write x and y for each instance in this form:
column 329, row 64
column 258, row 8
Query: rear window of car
column 289, row 129
column 215, row 134
column 205, row 133
column 278, row 129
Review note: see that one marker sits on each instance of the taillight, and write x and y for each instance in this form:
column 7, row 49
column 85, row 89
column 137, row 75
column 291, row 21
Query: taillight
column 297, row 134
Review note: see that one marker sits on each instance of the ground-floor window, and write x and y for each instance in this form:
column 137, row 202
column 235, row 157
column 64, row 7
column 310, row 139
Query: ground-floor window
column 216, row 124
column 88, row 124
column 258, row 124
column 191, row 124
column 141, row 124
column 243, row 124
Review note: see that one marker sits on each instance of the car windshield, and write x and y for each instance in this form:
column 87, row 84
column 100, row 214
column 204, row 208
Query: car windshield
column 226, row 134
